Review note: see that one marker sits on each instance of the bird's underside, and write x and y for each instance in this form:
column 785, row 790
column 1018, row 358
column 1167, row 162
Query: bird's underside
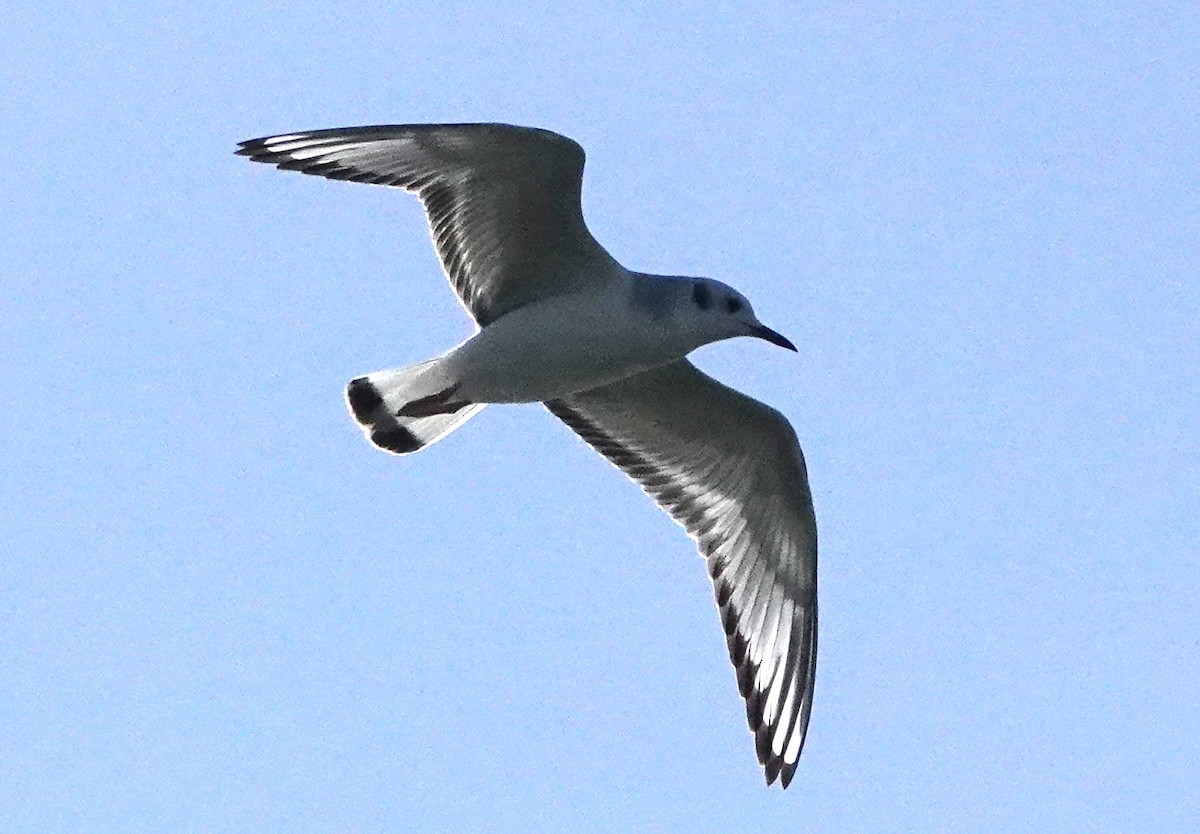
column 503, row 205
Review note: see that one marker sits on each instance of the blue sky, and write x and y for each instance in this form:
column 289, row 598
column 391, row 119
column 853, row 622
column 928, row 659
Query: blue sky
column 222, row 610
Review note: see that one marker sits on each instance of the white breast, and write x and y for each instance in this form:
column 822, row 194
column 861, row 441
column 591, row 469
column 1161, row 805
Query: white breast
column 563, row 345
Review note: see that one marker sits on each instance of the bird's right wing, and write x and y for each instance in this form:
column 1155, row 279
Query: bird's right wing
column 730, row 470
column 503, row 202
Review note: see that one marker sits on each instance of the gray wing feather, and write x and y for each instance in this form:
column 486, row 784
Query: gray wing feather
column 503, row 202
column 730, row 470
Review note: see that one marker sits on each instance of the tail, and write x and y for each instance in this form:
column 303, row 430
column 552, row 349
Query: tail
column 376, row 399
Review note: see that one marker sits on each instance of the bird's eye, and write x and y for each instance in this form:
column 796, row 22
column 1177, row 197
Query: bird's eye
column 701, row 296
column 733, row 305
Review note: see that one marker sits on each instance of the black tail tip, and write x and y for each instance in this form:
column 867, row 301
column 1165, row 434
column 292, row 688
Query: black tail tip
column 364, row 398
column 396, row 439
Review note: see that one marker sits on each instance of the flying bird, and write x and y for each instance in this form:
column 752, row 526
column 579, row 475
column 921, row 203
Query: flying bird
column 604, row 348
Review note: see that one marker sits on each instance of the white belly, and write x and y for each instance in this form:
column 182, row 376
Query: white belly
column 561, row 346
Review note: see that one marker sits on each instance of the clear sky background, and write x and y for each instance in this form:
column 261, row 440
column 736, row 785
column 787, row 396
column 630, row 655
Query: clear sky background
column 222, row 610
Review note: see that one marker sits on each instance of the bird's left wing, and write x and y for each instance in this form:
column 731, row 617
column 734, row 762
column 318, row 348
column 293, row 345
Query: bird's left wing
column 729, row 469
column 503, row 202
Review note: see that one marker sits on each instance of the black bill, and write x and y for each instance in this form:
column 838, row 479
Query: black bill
column 764, row 332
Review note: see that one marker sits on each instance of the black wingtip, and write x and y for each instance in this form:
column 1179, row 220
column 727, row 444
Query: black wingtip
column 745, row 681
column 249, row 147
column 754, row 707
column 364, row 398
column 771, row 769
column 724, row 591
column 786, row 773
column 762, row 748
column 729, row 619
column 737, row 649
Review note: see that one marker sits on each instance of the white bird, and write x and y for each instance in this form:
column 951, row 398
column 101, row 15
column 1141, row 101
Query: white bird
column 562, row 323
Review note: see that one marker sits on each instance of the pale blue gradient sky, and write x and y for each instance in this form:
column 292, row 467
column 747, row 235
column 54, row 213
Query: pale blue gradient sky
column 221, row 610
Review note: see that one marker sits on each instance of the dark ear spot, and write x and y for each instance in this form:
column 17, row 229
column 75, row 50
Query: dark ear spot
column 733, row 304
column 701, row 296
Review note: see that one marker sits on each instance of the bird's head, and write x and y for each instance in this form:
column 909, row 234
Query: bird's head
column 722, row 312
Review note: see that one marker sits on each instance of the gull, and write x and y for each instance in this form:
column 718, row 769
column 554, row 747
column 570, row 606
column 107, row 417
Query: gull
column 560, row 322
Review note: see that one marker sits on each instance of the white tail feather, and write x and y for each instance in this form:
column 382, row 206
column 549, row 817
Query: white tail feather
column 376, row 399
